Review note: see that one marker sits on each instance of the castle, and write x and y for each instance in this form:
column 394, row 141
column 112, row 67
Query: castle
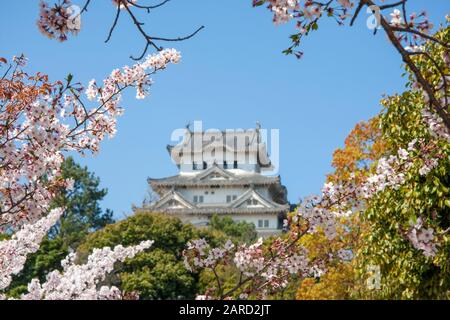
column 220, row 172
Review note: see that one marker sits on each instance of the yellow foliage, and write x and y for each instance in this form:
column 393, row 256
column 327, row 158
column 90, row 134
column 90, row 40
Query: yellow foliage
column 336, row 284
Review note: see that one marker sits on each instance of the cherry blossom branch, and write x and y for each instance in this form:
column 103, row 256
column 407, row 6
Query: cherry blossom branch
column 80, row 282
column 150, row 40
column 321, row 214
column 51, row 119
column 421, row 34
column 389, row 29
column 58, row 21
column 111, row 30
column 148, row 8
column 307, row 14
column 13, row 252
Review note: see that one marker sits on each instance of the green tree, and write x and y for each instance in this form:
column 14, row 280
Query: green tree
column 82, row 216
column 239, row 231
column 380, row 232
column 159, row 273
column 83, row 212
column 406, row 273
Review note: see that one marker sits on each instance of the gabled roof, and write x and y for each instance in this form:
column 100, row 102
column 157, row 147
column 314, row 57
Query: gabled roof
column 214, row 171
column 252, row 194
column 175, row 197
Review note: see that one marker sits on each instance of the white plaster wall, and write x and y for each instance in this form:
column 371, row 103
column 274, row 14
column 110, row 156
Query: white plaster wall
column 273, row 220
column 219, row 196
column 272, row 229
column 246, row 160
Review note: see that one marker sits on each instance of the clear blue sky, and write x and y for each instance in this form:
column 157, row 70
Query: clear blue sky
column 232, row 75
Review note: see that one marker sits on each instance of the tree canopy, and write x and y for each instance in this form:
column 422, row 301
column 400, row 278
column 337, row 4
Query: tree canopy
column 159, row 273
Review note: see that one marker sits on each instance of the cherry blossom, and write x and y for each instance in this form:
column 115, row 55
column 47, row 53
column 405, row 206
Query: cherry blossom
column 436, row 125
column 270, row 267
column 123, row 3
column 39, row 122
column 423, row 238
column 408, row 34
column 13, row 253
column 268, row 272
column 396, row 18
column 81, row 282
column 52, row 119
column 57, row 21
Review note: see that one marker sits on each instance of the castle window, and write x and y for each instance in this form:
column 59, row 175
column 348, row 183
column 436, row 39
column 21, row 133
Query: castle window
column 234, row 197
column 194, row 166
column 225, row 165
column 228, row 199
column 263, row 224
column 198, row 199
column 205, row 165
column 235, row 164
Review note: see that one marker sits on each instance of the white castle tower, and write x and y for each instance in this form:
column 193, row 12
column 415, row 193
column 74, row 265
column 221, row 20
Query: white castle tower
column 220, row 172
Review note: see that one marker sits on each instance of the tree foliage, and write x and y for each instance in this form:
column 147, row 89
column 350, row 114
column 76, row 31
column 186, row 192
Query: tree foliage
column 239, row 231
column 159, row 273
column 382, row 240
column 405, row 272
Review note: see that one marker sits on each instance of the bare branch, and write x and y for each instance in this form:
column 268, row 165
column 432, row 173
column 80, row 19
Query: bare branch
column 113, row 25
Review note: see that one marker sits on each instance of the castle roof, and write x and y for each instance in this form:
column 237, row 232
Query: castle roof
column 214, row 176
column 250, row 202
column 230, row 141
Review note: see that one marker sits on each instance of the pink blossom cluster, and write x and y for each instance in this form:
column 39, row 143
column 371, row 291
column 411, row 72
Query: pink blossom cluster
column 417, row 22
column 412, row 30
column 315, row 211
column 423, row 238
column 199, row 254
column 13, row 252
column 391, row 171
column 396, row 18
column 306, row 11
column 123, row 3
column 268, row 268
column 35, row 135
column 58, row 21
column 283, row 10
column 39, row 121
column 388, row 173
column 436, row 125
column 250, row 260
column 324, row 213
column 81, row 282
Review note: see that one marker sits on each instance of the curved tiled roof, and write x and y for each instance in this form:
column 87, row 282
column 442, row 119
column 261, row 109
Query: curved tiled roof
column 217, row 210
column 238, row 206
column 201, row 179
